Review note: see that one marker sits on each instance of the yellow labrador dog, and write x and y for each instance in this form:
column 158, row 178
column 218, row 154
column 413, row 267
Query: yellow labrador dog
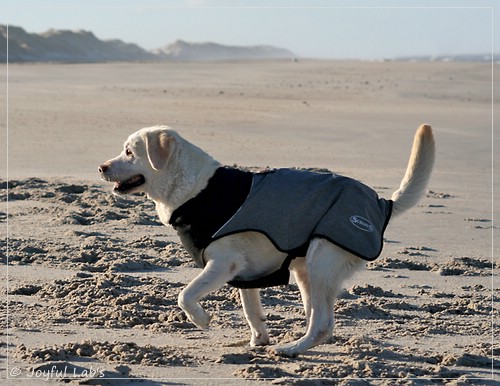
column 251, row 229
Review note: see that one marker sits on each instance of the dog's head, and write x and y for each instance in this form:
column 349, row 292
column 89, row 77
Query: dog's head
column 145, row 154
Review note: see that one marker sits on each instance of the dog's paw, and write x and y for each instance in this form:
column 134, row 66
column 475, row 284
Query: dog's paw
column 195, row 313
column 201, row 319
column 259, row 340
column 285, row 350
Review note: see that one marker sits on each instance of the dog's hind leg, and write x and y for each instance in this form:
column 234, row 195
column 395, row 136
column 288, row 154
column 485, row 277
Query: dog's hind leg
column 328, row 265
column 252, row 307
column 299, row 269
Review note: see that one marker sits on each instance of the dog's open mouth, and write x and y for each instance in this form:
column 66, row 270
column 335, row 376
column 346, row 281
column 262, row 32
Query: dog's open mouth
column 130, row 184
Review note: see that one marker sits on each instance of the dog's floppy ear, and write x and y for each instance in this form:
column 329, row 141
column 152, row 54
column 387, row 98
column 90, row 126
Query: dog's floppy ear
column 159, row 146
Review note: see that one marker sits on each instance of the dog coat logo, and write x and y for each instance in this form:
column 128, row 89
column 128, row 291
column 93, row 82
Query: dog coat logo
column 362, row 223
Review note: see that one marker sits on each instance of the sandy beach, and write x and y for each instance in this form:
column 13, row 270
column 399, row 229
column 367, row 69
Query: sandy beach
column 90, row 288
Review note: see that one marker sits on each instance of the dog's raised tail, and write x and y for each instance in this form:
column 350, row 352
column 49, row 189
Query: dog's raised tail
column 418, row 172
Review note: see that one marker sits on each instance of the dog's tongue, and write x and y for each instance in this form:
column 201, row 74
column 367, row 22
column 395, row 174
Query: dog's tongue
column 123, row 186
column 133, row 180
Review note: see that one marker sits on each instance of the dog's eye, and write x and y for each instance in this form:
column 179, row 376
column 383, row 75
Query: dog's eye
column 128, row 153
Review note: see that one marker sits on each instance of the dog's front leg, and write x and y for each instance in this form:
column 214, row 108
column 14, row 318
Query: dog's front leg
column 214, row 275
column 252, row 307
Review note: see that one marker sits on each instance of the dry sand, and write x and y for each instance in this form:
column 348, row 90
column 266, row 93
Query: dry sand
column 92, row 279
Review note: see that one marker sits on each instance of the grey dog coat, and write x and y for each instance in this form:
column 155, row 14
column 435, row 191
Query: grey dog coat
column 291, row 207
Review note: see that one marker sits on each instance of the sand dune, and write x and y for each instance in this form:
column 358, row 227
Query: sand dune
column 84, row 47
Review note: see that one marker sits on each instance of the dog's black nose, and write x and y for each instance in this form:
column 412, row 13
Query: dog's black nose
column 103, row 168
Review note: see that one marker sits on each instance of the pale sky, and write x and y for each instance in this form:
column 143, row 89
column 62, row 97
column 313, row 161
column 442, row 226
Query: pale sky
column 340, row 29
